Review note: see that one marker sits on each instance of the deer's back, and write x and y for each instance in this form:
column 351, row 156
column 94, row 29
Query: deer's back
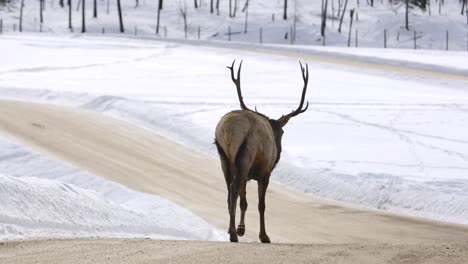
column 246, row 128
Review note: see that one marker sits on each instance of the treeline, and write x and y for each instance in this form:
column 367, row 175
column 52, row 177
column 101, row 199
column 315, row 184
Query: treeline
column 334, row 9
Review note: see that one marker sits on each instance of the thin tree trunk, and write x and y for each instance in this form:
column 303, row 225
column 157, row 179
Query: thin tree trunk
column 235, row 9
column 246, row 16
column 21, row 16
column 61, row 3
column 217, row 7
column 183, row 12
column 95, row 9
column 342, row 15
column 324, row 17
column 70, row 15
column 159, row 12
column 463, row 6
column 351, row 13
column 83, row 17
column 211, row 7
column 285, row 11
column 230, row 8
column 196, row 3
column 406, row 14
column 41, row 9
column 119, row 9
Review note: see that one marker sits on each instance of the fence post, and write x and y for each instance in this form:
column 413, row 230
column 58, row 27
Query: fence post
column 385, row 38
column 229, row 33
column 356, row 38
column 261, row 35
column 198, row 32
column 414, row 39
column 446, row 40
column 291, row 35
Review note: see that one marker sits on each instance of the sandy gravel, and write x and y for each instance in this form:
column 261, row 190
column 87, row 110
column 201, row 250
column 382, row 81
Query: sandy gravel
column 146, row 162
column 153, row 251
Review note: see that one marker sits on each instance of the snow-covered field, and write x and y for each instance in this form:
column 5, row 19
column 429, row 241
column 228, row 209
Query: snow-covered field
column 386, row 140
column 370, row 23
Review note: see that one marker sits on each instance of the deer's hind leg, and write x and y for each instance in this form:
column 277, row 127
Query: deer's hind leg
column 229, row 171
column 243, row 207
column 262, row 187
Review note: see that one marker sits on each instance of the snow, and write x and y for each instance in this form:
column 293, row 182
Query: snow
column 42, row 197
column 390, row 140
column 370, row 22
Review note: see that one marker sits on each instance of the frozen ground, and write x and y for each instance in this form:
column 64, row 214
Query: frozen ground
column 386, row 140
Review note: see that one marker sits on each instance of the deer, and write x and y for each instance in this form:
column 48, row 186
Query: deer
column 249, row 146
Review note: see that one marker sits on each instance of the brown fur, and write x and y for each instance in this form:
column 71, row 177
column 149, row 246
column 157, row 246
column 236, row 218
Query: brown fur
column 249, row 146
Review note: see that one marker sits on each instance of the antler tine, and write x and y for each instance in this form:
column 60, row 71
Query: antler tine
column 299, row 110
column 237, row 83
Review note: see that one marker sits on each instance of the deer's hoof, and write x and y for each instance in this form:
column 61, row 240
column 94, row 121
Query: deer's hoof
column 233, row 238
column 264, row 239
column 240, row 230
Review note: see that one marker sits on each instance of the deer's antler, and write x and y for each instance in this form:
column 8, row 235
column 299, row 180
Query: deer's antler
column 305, row 76
column 237, row 83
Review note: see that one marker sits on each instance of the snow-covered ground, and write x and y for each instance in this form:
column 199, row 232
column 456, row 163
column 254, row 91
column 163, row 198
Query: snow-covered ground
column 386, row 140
column 44, row 197
column 370, row 23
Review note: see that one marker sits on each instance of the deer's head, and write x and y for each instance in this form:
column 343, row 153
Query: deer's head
column 276, row 124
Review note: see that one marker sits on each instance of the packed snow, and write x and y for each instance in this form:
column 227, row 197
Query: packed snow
column 389, row 140
column 43, row 197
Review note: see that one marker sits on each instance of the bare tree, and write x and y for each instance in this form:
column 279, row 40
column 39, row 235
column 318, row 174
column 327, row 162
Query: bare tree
column 183, row 13
column 351, row 13
column 249, row 147
column 70, row 15
column 159, row 12
column 119, row 9
column 246, row 10
column 235, row 9
column 95, row 9
column 285, row 10
column 83, row 17
column 21, row 16
column 41, row 10
column 342, row 15
column 324, row 17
